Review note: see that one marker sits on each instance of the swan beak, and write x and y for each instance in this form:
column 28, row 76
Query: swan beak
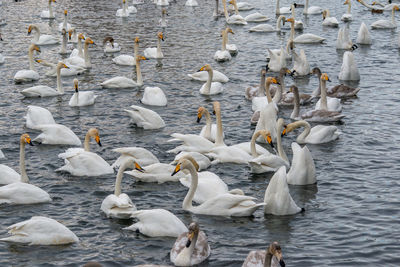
column 65, row 12
column 201, row 69
column 285, row 131
column 97, row 138
column 190, row 238
column 65, row 66
column 38, row 60
column 199, row 117
column 29, row 141
column 77, row 90
column 269, row 141
column 138, row 167
column 177, row 169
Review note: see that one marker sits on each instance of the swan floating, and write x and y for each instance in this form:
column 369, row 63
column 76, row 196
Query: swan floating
column 236, row 18
column 191, row 3
column 123, row 12
column 302, row 170
column 256, row 17
column 40, row 230
column 155, row 52
column 28, row 75
column 110, row 46
column 386, row 24
column 319, row 134
column 84, row 62
column 209, row 131
column 64, row 25
column 232, row 48
column 48, row 14
column 43, row 39
column 349, row 70
column 81, row 99
column 155, row 173
column 301, row 67
column 145, row 118
column 163, row 22
column 328, row 20
column 203, row 76
column 154, row 96
column 347, row 16
column 269, row 28
column 141, row 155
column 202, row 161
column 306, row 38
column 223, row 54
column 271, row 257
column 210, row 88
column 363, row 36
column 127, row 60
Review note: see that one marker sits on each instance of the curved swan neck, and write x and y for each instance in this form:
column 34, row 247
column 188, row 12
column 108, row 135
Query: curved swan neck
column 88, row 64
column 86, row 144
column 296, row 107
column 278, row 23
column 209, row 80
column 267, row 92
column 261, row 88
column 208, row 123
column 30, row 57
column 187, row 202
column 120, row 174
column 281, row 152
column 324, row 104
column 253, row 144
column 139, row 78
column 22, row 168
column 306, row 131
column 60, row 89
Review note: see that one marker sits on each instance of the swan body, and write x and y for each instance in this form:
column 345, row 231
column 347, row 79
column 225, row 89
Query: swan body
column 278, row 200
column 119, row 82
column 281, row 10
column 329, row 21
column 201, row 160
column 40, row 230
column 386, row 24
column 319, row 134
column 191, row 143
column 191, row 3
column 82, row 162
column 39, row 39
column 343, row 40
column 155, row 173
column 222, row 56
column 157, row 222
column 56, row 134
column 256, row 17
column 48, row 14
column 312, row 10
column 154, row 96
column 277, row 60
column 211, row 88
column 8, row 175
column 301, row 67
column 302, row 170
column 272, row 257
column 28, row 75
column 155, row 52
column 36, row 116
column 80, row 99
column 349, row 70
column 333, row 104
column 141, row 155
column 363, row 36
column 123, row 12
column 308, row 38
column 203, row 76
column 145, row 118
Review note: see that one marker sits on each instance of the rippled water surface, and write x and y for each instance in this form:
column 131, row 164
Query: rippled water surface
column 352, row 214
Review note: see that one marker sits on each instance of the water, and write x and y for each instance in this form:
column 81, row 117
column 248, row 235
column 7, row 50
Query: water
column 351, row 216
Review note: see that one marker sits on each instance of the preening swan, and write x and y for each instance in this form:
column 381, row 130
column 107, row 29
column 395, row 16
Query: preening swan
column 328, row 20
column 236, row 18
column 43, row 39
column 22, row 192
column 343, row 40
column 119, row 205
column 110, row 46
column 281, row 10
column 123, row 82
column 347, row 16
column 80, row 99
column 278, row 200
column 349, row 70
column 127, row 60
column 40, row 230
column 223, row 54
column 64, row 25
column 190, row 248
column 145, row 118
column 269, row 28
column 154, row 96
column 48, row 14
column 210, row 88
column 312, row 10
column 363, row 36
column 82, row 162
column 28, row 75
column 221, row 205
column 36, row 116
column 386, row 24
column 155, row 52
column 141, row 155
column 319, row 134
column 277, row 59
column 44, row 90
column 271, row 257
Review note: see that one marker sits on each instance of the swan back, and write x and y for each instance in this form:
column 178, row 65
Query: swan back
column 363, row 36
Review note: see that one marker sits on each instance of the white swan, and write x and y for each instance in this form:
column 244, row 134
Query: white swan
column 48, row 14
column 223, row 54
column 191, row 143
column 277, row 60
column 306, row 38
column 123, row 82
column 210, row 88
column 278, row 200
column 119, row 205
column 56, row 134
column 312, row 10
column 163, row 22
column 384, row 23
column 281, row 10
column 155, row 52
column 141, row 155
column 157, row 222
column 81, row 99
column 84, row 62
column 28, row 75
column 236, row 18
column 271, row 257
column 123, row 12
column 190, row 248
column 370, row 7
column 209, row 131
column 349, row 70
column 387, row 7
column 37, row 116
column 40, row 230
column 256, row 17
column 79, row 50
column 260, row 102
column 202, row 161
column 343, row 40
column 363, row 36
column 110, row 46
column 22, row 192
column 64, row 25
column 325, row 102
column 156, row 173
column 73, row 36
column 221, row 205
column 191, row 3
column 145, row 118
column 347, row 16
column 242, row 6
column 269, row 28
column 44, row 90
column 154, row 96
column 72, row 70
column 162, row 3
column 232, row 48
column 319, row 134
column 203, row 76
column 301, row 67
column 302, row 170
column 127, row 60
column 298, row 24
column 328, row 20
column 82, row 162
column 39, row 39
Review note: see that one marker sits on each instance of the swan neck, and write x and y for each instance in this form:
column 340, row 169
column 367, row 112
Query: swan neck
column 278, row 23
column 51, row 15
column 219, row 140
column 224, row 40
column 22, row 168
column 279, row 91
column 88, row 64
column 253, row 144
column 208, row 83
column 118, row 180
column 317, row 91
column 261, row 88
column 187, row 202
column 291, row 37
column 349, row 8
column 296, row 107
column 268, row 259
column 64, row 44
column 80, row 50
column 267, row 92
column 139, row 78
column 277, row 10
column 135, row 50
column 324, row 104
column 225, row 9
column 31, row 62
column 65, row 22
column 59, row 84
column 306, row 131
column 86, row 144
column 281, row 152
column 208, row 123
column 158, row 47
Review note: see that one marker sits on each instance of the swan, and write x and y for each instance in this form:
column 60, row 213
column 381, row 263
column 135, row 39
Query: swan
column 223, row 54
column 325, row 102
column 162, row 3
column 221, row 205
column 123, row 12
column 44, row 90
column 127, row 60
column 154, row 96
column 210, row 88
column 343, row 40
column 79, row 50
column 328, row 20
column 191, row 143
column 256, row 17
column 319, row 134
column 39, row 39
column 40, row 230
column 141, row 155
column 232, row 48
column 119, row 205
column 339, row 91
column 123, row 82
column 145, row 118
column 157, row 223
column 347, row 16
column 81, row 99
column 209, row 131
column 281, row 10
column 203, row 76
column 191, row 3
column 155, row 52
column 298, row 24
column 64, row 25
column 73, row 36
column 157, row 172
column 48, row 14
column 110, row 46
column 302, row 170
column 79, row 61
column 269, row 28
column 163, row 22
column 384, row 23
column 363, row 36
column 260, row 102
column 82, row 162
column 306, row 38
column 64, row 42
column 190, row 248
column 301, row 67
column 278, row 200
column 312, row 10
column 257, row 90
column 202, row 161
column 72, row 70
column 37, row 116
column 234, row 19
column 22, row 192
column 28, row 75
column 277, row 60
column 271, row 257
column 349, row 70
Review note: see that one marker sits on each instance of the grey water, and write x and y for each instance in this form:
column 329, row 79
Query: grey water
column 352, row 213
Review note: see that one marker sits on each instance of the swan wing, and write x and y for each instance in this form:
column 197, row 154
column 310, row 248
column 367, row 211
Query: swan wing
column 154, row 96
column 302, row 171
column 57, row 134
column 8, row 175
column 23, row 193
column 145, row 118
column 84, row 163
column 120, row 206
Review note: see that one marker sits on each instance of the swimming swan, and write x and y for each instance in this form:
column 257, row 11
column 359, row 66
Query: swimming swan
column 209, row 131
column 123, row 82
column 223, row 54
column 306, row 38
column 384, row 23
column 155, row 52
column 210, row 88
column 36, row 116
column 347, row 16
column 123, row 12
column 84, row 62
column 127, row 60
column 281, row 10
column 28, row 75
column 319, row 134
column 312, row 10
column 43, row 39
column 145, row 118
column 232, row 48
column 48, row 14
column 81, row 99
column 236, row 18
column 271, row 257
column 328, row 20
column 110, row 46
column 141, row 155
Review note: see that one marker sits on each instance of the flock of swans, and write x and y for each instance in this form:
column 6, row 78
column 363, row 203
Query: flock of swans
column 195, row 152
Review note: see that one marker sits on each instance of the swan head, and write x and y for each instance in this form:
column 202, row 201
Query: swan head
column 193, row 231
column 347, row 2
column 160, row 36
column 89, row 41
column 34, row 47
column 76, row 85
column 325, row 77
column 229, row 30
column 272, row 80
column 109, row 39
column 206, row 67
column 290, row 20
column 200, row 112
column 80, row 36
column 217, row 107
column 185, row 162
column 164, row 11
column 267, row 136
column 275, row 250
column 31, row 28
column 396, row 8
column 94, row 133
column 65, row 12
column 61, row 65
column 25, row 139
column 136, row 40
column 316, row 70
column 70, row 32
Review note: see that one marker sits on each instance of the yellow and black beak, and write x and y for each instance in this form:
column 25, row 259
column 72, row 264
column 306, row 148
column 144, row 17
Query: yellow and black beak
column 177, row 169
column 138, row 167
column 201, row 69
column 199, row 117
column 284, row 132
column 97, row 138
column 77, row 90
column 269, row 141
column 190, row 238
column 29, row 141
